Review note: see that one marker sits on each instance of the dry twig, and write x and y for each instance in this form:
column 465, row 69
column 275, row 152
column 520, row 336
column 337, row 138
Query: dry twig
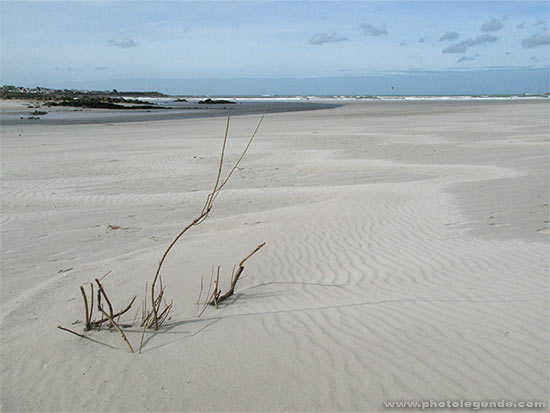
column 208, row 205
column 118, row 328
column 71, row 331
column 235, row 278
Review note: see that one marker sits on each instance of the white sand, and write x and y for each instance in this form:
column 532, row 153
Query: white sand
column 406, row 259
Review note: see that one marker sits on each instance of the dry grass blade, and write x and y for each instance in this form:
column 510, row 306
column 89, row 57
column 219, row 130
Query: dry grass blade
column 200, row 291
column 135, row 317
column 216, row 289
column 105, row 275
column 142, row 337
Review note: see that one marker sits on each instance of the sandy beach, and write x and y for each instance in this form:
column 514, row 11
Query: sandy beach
column 406, row 258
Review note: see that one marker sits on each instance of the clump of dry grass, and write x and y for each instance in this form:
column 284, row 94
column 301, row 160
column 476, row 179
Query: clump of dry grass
column 110, row 316
column 160, row 309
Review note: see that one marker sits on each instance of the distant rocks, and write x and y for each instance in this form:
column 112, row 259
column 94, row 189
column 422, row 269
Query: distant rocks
column 215, row 102
column 103, row 102
column 180, row 100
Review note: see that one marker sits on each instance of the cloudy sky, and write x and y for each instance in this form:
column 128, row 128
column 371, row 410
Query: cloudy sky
column 135, row 43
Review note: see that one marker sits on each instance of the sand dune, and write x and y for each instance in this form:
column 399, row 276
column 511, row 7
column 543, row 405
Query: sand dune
column 406, row 259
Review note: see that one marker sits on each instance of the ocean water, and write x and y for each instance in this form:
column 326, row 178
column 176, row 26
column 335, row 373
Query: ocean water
column 337, row 98
column 242, row 105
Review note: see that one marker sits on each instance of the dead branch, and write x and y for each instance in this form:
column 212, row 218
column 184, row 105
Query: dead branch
column 103, row 320
column 106, row 299
column 118, row 328
column 72, row 332
column 91, row 302
column 217, row 291
column 156, row 316
column 234, row 279
column 87, row 313
column 208, row 205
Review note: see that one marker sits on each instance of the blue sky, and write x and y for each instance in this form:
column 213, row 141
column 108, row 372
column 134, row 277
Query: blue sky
column 138, row 44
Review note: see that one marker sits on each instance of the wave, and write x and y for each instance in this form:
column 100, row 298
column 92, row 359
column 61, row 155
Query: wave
column 340, row 98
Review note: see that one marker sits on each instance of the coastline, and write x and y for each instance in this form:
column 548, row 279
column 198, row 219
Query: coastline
column 384, row 276
column 18, row 113
column 22, row 112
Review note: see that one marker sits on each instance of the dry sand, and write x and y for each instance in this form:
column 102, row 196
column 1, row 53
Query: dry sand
column 406, row 259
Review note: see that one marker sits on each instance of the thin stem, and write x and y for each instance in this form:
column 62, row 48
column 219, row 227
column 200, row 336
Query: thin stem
column 88, row 326
column 119, row 329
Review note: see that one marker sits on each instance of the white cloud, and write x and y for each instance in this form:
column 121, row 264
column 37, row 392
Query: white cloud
column 493, row 25
column 466, row 44
column 370, row 30
column 449, row 36
column 330, row 37
column 538, row 39
column 124, row 43
column 465, row 59
column 521, row 26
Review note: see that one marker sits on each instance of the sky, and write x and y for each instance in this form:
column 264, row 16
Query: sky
column 278, row 47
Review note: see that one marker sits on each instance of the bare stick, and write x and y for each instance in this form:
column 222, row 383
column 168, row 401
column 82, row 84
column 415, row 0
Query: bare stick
column 105, row 275
column 210, row 197
column 135, row 317
column 233, row 272
column 206, row 209
column 144, row 305
column 117, row 314
column 91, row 303
column 242, row 154
column 164, row 315
column 258, row 248
column 72, row 332
column 119, row 329
column 200, row 294
column 99, row 306
column 195, row 221
column 235, row 278
column 88, row 325
column 98, row 300
column 106, row 299
column 216, row 288
column 142, row 336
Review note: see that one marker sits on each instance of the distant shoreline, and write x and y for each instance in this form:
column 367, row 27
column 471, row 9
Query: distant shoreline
column 28, row 112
